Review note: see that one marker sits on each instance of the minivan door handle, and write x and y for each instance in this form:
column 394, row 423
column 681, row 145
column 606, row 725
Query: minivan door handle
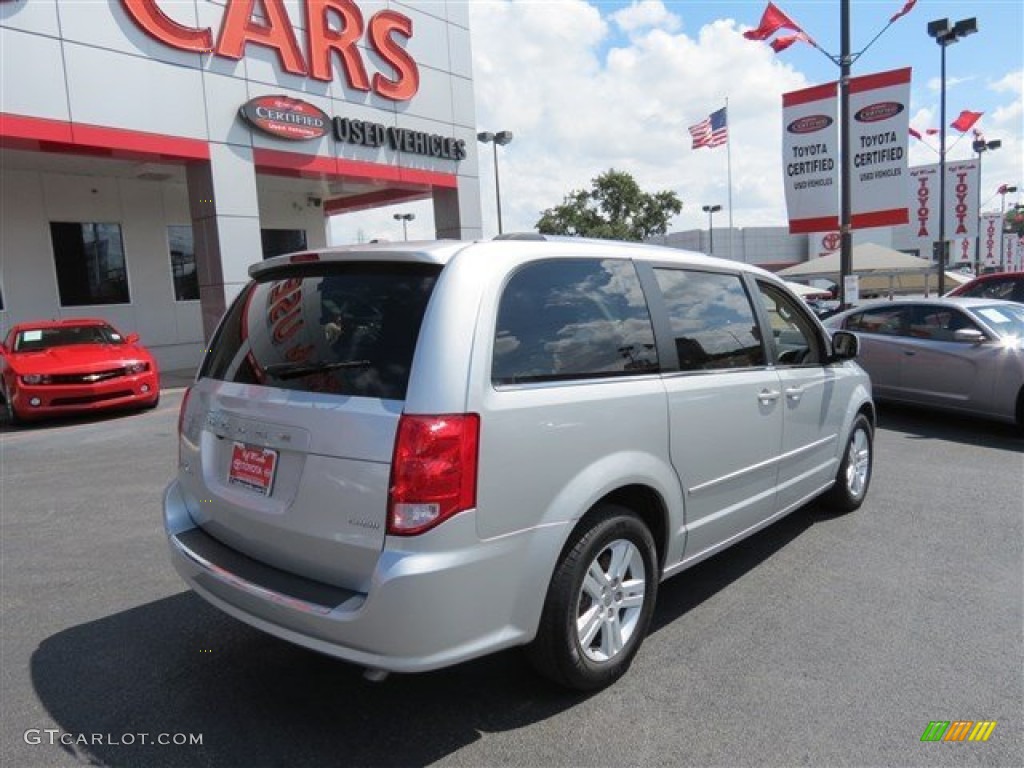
column 767, row 396
column 795, row 393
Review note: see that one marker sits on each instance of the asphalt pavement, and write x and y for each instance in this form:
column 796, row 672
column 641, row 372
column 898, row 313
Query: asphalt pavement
column 821, row 641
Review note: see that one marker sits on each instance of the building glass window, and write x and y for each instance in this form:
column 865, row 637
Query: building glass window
column 90, row 263
column 183, row 263
column 280, row 241
column 572, row 319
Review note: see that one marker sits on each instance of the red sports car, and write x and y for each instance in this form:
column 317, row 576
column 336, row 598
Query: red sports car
column 55, row 367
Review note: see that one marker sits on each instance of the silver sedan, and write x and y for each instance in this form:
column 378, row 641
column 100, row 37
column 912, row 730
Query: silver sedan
column 955, row 354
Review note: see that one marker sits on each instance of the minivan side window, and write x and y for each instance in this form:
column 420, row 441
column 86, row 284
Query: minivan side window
column 567, row 319
column 795, row 340
column 712, row 320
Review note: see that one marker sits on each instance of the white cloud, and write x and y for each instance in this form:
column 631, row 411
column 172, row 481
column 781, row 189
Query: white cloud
column 577, row 113
column 935, row 83
column 644, row 15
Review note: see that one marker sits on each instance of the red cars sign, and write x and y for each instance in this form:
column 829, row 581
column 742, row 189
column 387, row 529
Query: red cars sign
column 329, row 31
column 286, row 118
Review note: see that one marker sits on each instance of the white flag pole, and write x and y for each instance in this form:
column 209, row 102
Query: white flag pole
column 728, row 154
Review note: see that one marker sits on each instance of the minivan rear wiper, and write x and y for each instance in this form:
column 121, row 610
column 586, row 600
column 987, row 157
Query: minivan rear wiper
column 286, row 371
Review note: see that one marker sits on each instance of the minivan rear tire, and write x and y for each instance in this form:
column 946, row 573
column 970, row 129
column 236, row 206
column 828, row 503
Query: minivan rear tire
column 599, row 603
column 855, row 469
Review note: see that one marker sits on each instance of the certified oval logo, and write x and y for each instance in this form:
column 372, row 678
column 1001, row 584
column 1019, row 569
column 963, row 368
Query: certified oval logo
column 809, row 124
column 286, row 118
column 878, row 112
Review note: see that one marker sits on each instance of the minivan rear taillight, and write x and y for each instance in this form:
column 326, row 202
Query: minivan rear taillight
column 433, row 471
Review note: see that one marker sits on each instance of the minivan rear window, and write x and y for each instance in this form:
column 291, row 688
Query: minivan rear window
column 347, row 329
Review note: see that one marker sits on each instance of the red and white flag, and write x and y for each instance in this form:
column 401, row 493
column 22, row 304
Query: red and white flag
column 772, row 20
column 966, row 120
column 907, row 8
column 781, row 43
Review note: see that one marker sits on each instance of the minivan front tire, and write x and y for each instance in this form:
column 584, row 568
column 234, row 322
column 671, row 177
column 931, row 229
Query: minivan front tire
column 854, row 475
column 599, row 603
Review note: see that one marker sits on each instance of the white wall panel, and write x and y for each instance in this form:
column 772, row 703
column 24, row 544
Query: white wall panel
column 224, row 95
column 460, row 52
column 39, row 16
column 30, row 283
column 463, row 103
column 110, row 27
column 434, row 100
column 81, row 198
column 131, row 92
column 428, row 45
column 41, row 95
column 234, row 181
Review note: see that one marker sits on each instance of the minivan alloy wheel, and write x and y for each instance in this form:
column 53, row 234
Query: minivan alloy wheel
column 600, row 600
column 854, row 475
column 610, row 601
column 858, row 463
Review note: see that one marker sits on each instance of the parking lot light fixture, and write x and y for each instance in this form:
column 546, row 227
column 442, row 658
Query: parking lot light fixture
column 945, row 35
column 711, row 210
column 405, row 218
column 980, row 146
column 494, row 139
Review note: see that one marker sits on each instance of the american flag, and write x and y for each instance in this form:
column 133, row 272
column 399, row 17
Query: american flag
column 713, row 131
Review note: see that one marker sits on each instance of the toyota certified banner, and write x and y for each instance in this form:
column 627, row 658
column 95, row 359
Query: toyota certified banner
column 990, row 241
column 810, row 158
column 961, row 208
column 1013, row 253
column 879, row 134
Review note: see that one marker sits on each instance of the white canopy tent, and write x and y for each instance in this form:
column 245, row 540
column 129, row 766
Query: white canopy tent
column 880, row 270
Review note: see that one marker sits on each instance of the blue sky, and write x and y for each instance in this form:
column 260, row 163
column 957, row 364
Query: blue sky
column 586, row 86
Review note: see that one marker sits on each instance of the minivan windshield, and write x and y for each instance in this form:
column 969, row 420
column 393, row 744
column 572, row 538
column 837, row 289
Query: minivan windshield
column 346, row 329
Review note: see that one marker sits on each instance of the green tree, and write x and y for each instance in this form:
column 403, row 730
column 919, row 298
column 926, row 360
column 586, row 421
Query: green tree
column 614, row 208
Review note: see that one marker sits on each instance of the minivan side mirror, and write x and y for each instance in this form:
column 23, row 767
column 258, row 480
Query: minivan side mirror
column 845, row 345
column 131, row 338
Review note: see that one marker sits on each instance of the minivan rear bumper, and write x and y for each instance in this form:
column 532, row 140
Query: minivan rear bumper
column 425, row 609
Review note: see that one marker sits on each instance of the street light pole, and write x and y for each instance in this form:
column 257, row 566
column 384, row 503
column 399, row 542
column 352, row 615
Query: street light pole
column 945, row 35
column 503, row 138
column 405, row 218
column 711, row 210
column 981, row 146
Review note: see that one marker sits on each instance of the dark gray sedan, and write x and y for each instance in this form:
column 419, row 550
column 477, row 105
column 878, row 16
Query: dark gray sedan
column 956, row 354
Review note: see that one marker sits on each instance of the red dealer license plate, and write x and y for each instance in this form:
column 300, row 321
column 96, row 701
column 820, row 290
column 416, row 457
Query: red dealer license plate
column 253, row 468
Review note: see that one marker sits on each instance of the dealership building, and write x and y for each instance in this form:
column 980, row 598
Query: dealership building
column 152, row 150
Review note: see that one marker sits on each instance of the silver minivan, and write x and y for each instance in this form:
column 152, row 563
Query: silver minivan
column 407, row 455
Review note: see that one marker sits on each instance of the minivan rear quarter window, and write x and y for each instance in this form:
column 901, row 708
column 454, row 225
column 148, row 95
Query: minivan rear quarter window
column 570, row 319
column 341, row 329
